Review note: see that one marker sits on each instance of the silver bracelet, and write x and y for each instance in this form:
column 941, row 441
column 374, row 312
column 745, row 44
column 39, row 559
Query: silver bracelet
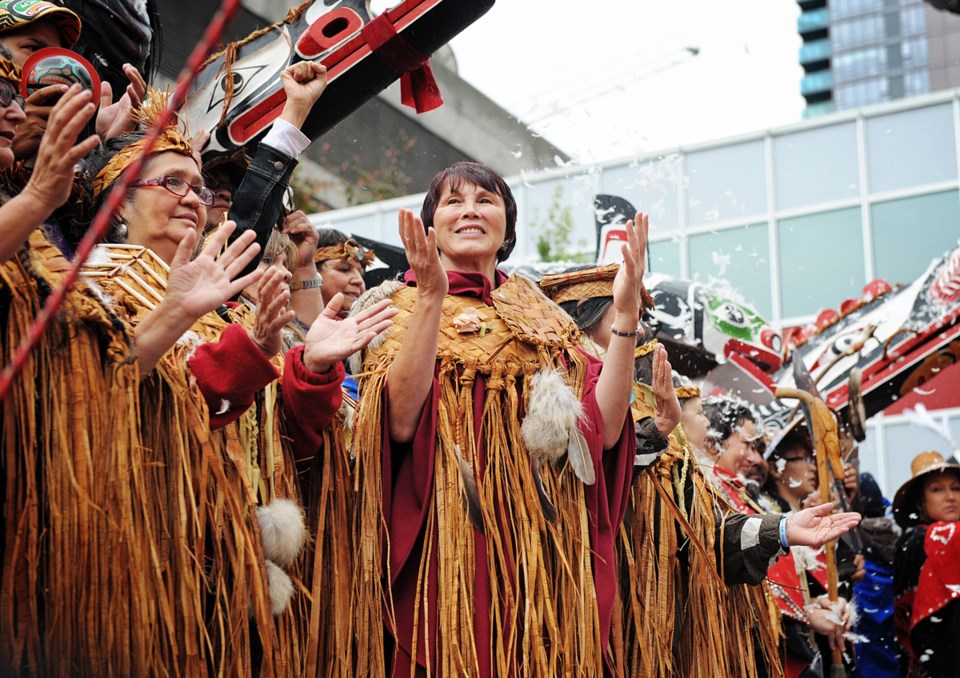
column 306, row 284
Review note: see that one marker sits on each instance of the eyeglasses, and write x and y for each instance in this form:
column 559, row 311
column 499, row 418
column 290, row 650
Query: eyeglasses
column 179, row 187
column 8, row 94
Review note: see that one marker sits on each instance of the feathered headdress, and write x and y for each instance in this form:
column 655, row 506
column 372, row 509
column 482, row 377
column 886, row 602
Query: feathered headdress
column 349, row 249
column 171, row 139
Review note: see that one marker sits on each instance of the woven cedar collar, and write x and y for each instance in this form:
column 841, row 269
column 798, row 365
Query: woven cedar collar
column 521, row 323
column 136, row 279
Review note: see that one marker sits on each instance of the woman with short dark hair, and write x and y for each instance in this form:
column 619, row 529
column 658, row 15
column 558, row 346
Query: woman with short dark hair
column 482, row 391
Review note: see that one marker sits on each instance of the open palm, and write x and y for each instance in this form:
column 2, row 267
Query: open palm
column 331, row 340
column 629, row 281
column 205, row 283
column 818, row 525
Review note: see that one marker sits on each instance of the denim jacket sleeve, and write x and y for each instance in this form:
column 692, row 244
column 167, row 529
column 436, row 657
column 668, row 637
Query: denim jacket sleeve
column 259, row 198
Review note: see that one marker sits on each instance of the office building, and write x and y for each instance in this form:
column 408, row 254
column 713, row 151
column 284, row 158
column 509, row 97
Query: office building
column 861, row 52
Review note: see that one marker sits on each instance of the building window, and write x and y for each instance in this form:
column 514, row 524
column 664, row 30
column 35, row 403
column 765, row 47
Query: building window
column 912, row 21
column 916, row 82
column 561, row 206
column 914, row 52
column 726, row 183
column 911, row 148
column 910, row 233
column 820, row 261
column 815, row 166
column 665, row 258
column 650, row 186
column 740, row 256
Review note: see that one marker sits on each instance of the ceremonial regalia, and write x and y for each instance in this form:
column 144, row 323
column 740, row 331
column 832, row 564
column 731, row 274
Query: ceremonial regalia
column 456, row 537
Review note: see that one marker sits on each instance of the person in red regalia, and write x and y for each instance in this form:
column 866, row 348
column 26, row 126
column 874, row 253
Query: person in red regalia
column 926, row 568
column 497, row 451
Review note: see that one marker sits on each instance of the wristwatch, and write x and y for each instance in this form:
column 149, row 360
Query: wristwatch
column 306, row 284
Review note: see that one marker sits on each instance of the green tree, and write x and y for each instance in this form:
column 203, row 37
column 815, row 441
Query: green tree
column 554, row 232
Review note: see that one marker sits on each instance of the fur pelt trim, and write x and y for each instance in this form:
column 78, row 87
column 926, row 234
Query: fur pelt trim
column 281, row 588
column 282, row 530
column 384, row 290
column 552, row 414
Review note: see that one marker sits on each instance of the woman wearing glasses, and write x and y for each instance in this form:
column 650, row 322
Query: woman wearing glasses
column 212, row 413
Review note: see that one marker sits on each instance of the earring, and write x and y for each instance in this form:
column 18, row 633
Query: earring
column 120, row 231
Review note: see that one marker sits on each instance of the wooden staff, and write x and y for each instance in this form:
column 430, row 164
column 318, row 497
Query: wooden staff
column 823, row 428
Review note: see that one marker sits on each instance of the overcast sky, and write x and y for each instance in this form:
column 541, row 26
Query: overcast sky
column 610, row 78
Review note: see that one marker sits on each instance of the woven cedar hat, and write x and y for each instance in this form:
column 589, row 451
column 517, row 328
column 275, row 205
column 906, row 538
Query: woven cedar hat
column 588, row 283
column 16, row 14
column 904, row 502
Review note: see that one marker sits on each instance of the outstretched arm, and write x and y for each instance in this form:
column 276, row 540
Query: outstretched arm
column 616, row 378
column 818, row 525
column 193, row 289
column 411, row 374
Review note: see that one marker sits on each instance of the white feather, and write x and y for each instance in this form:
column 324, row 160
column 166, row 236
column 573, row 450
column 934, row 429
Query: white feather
column 553, row 411
column 280, row 587
column 282, row 530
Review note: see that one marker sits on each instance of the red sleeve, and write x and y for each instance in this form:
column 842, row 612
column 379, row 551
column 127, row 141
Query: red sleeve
column 310, row 402
column 607, row 498
column 229, row 373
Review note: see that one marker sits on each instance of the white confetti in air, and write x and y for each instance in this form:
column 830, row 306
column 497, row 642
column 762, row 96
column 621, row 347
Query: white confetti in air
column 224, row 406
column 722, row 261
column 795, row 483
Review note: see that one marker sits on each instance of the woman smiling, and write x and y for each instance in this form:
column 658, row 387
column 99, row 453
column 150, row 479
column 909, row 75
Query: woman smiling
column 482, row 390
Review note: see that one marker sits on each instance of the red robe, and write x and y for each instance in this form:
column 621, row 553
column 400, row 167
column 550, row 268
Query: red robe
column 408, row 475
column 230, row 371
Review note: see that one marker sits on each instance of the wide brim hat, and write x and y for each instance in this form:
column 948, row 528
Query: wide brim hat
column 905, row 500
column 586, row 283
column 16, row 14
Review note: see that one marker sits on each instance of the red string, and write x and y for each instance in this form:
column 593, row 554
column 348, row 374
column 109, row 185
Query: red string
column 101, row 222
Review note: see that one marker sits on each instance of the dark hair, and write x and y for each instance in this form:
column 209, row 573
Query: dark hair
column 588, row 313
column 726, row 415
column 89, row 168
column 479, row 175
column 330, row 237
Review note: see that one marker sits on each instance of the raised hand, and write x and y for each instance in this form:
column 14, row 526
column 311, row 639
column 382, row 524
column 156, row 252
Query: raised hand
column 116, row 118
column 668, row 412
column 331, row 340
column 59, row 151
column 423, row 256
column 194, row 288
column 629, row 280
column 305, row 237
column 202, row 285
column 36, row 108
column 818, row 525
column 303, row 83
column 273, row 295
